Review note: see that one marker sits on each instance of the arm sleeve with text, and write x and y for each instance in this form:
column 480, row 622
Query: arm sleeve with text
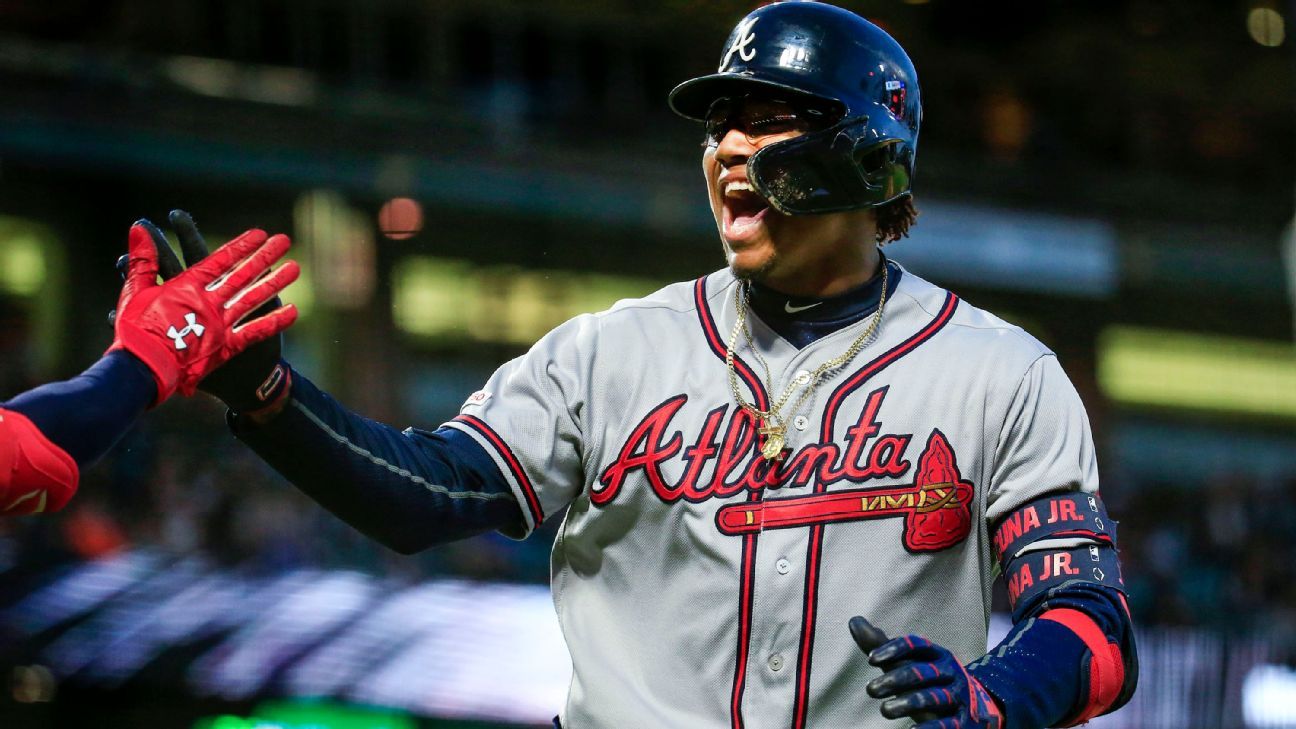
column 529, row 418
column 1045, row 444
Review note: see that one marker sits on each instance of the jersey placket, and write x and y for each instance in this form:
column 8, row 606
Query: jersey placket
column 782, row 611
column 779, row 578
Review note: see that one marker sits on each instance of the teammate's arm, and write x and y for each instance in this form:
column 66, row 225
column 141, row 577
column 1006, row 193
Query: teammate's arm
column 49, row 433
column 86, row 415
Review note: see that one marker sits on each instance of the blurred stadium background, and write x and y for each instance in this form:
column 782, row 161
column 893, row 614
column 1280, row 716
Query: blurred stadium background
column 461, row 175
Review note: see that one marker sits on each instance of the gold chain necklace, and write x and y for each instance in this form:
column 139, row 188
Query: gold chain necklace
column 770, row 422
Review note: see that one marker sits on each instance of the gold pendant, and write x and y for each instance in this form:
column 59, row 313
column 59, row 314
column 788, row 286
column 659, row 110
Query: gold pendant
column 773, row 447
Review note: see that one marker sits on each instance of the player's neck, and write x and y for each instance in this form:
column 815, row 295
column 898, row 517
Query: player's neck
column 827, row 276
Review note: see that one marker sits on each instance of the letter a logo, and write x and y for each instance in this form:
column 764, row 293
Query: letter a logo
column 191, row 327
column 742, row 36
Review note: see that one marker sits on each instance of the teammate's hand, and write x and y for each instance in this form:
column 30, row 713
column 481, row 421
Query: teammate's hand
column 255, row 378
column 924, row 682
column 187, row 327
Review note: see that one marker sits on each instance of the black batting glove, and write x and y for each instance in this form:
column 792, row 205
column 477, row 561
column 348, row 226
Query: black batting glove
column 924, row 682
column 256, row 378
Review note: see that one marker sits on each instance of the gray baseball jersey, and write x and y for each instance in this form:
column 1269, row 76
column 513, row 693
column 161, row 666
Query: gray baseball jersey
column 700, row 585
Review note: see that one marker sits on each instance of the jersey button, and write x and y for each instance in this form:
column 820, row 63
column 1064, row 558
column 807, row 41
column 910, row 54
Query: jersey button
column 801, row 422
column 802, row 377
column 783, row 566
column 776, row 662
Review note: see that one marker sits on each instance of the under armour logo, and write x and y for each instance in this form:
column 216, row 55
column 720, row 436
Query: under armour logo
column 741, row 37
column 191, row 327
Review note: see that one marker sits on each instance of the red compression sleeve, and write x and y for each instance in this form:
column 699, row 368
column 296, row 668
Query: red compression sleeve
column 35, row 475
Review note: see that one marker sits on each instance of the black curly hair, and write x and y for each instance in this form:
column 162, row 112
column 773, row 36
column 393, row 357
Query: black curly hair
column 894, row 219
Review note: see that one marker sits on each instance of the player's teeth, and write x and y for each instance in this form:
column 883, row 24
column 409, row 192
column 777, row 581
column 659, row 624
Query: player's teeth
column 736, row 187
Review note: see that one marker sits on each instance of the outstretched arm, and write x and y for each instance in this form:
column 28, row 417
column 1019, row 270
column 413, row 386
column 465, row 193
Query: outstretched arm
column 407, row 489
column 86, row 415
column 48, row 434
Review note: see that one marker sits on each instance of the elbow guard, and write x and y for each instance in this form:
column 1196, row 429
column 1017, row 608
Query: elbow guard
column 1103, row 675
column 35, row 474
column 1053, row 552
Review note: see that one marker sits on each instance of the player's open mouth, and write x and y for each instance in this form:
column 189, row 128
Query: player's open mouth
column 743, row 208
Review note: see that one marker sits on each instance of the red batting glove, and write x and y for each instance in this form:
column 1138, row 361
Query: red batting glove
column 189, row 326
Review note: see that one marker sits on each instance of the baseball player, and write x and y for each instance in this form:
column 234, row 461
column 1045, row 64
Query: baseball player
column 808, row 446
column 168, row 338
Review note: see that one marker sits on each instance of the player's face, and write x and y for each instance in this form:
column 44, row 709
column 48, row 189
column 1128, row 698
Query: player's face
column 793, row 254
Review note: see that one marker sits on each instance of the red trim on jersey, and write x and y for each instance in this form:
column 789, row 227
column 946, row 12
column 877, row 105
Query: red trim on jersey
column 1106, row 664
column 801, row 706
column 745, row 594
column 533, row 501
column 719, row 347
column 747, row 571
column 36, row 475
column 881, row 362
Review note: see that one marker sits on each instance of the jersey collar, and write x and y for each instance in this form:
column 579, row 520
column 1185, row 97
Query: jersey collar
column 802, row 320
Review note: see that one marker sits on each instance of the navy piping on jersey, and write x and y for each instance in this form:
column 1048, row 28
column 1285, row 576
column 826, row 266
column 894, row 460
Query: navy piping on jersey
column 515, row 466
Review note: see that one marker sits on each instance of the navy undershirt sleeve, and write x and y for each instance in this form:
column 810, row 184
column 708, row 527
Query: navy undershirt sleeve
column 1036, row 671
column 406, row 489
column 87, row 414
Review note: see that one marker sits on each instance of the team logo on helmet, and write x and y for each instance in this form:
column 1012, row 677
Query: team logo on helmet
column 742, row 37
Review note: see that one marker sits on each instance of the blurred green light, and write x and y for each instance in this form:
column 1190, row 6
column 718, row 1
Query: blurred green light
column 22, row 265
column 449, row 299
column 1162, row 368
column 1266, row 26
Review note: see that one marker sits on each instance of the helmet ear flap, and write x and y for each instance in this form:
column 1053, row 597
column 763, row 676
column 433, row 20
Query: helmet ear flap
column 884, row 168
column 833, row 170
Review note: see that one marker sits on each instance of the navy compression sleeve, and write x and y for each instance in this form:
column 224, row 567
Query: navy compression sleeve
column 1041, row 674
column 87, row 414
column 407, row 489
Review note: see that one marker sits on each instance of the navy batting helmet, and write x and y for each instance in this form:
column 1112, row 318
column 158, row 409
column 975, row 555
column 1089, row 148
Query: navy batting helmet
column 834, row 65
